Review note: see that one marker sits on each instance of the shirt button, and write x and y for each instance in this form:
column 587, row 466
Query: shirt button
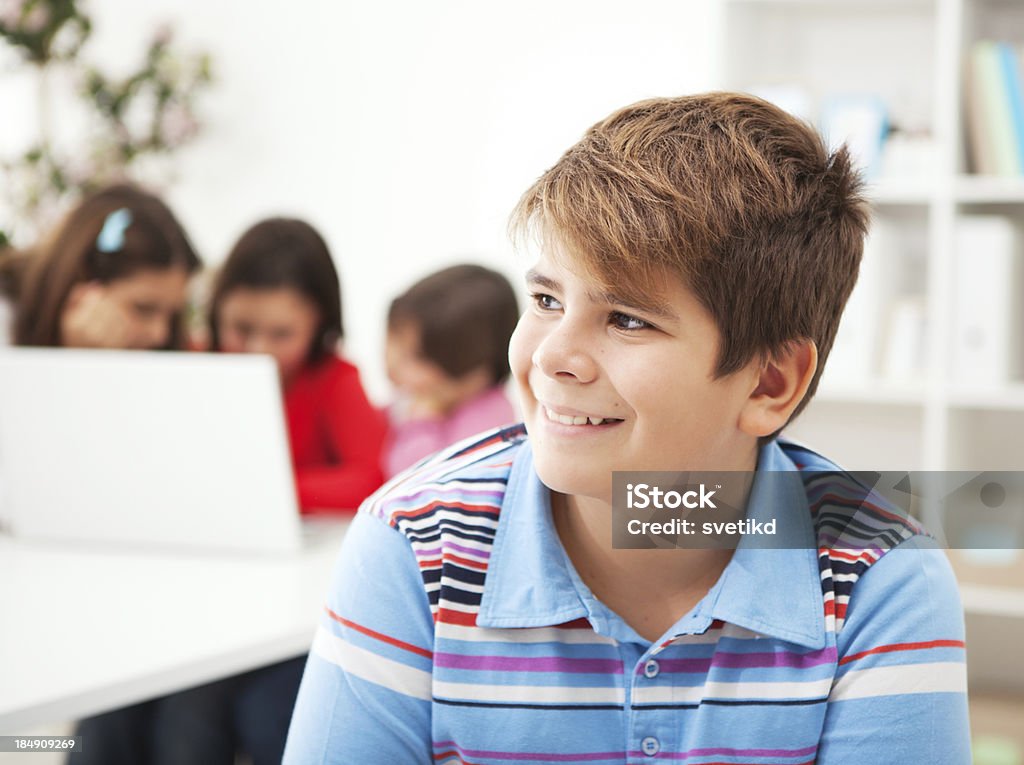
column 651, row 669
column 650, row 746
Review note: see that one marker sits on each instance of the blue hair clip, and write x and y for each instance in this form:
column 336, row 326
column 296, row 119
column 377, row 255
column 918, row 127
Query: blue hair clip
column 111, row 238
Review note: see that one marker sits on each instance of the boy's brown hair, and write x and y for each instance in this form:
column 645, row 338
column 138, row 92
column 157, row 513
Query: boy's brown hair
column 464, row 315
column 740, row 199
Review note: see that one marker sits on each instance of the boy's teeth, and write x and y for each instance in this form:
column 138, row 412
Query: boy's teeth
column 566, row 419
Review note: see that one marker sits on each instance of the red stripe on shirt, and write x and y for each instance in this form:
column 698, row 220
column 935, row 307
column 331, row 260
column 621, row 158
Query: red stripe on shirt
column 866, row 556
column 450, row 558
column 380, row 635
column 460, row 618
column 838, row 499
column 452, row 753
column 903, row 647
column 453, row 504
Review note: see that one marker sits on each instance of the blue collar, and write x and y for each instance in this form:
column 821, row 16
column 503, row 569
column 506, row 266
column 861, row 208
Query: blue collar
column 532, row 583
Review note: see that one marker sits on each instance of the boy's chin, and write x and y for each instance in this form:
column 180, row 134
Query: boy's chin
column 574, row 480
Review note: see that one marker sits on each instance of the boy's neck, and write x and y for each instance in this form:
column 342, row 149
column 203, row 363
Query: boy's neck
column 650, row 589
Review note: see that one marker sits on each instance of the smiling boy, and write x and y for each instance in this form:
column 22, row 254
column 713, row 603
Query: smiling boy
column 695, row 257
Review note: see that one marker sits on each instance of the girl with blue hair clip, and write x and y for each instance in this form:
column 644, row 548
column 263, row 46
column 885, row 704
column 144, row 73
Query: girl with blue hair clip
column 114, row 274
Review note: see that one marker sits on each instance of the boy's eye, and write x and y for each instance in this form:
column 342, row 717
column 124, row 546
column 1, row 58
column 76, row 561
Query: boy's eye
column 625, row 321
column 546, row 302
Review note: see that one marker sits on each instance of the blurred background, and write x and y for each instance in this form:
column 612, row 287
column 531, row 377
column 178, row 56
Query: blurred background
column 406, row 132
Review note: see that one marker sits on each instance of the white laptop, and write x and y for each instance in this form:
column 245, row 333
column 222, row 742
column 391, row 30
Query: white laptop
column 151, row 449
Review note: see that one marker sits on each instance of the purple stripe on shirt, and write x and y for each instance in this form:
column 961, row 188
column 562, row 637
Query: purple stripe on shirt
column 528, row 663
column 457, row 494
column 731, row 660
column 531, row 756
column 807, row 750
column 481, row 554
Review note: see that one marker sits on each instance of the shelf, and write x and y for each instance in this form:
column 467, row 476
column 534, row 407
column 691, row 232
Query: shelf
column 992, row 601
column 981, row 189
column 903, row 191
column 841, row 5
column 967, row 189
column 873, row 392
column 1008, row 397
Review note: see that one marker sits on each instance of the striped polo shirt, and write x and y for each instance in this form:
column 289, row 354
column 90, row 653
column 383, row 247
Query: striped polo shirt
column 457, row 630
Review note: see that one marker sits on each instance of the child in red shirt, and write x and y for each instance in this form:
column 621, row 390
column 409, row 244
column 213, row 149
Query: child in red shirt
column 278, row 293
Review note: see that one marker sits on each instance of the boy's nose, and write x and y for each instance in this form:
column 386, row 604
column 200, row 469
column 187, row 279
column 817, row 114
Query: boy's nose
column 562, row 355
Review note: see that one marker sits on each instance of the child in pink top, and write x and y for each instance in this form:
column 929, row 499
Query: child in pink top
column 447, row 355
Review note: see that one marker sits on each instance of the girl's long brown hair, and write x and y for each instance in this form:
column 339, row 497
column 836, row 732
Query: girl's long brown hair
column 153, row 240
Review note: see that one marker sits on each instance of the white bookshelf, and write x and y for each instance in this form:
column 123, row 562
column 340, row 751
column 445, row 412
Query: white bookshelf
column 912, row 55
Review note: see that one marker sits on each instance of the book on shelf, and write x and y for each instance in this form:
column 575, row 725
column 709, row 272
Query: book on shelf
column 994, row 105
column 1010, row 61
column 986, row 311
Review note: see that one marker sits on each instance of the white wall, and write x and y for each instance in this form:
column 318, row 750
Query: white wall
column 404, row 130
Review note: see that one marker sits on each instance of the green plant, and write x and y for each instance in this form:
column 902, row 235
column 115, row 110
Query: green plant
column 148, row 113
column 44, row 30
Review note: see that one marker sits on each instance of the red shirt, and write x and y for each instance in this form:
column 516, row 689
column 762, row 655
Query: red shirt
column 336, row 437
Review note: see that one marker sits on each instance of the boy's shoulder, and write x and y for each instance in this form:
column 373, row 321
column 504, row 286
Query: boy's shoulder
column 447, row 508
column 850, row 509
column 855, row 525
column 467, row 479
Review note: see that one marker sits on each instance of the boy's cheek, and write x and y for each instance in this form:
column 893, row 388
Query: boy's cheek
column 529, row 333
column 519, row 352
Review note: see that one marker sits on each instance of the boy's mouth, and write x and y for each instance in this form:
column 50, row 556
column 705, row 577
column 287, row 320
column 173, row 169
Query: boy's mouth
column 568, row 419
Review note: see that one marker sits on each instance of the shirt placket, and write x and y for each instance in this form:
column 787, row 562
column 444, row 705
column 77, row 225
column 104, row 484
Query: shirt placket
column 655, row 732
column 649, row 729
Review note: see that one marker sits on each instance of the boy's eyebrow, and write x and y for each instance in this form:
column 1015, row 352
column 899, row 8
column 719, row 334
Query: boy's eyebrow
column 661, row 311
column 534, row 277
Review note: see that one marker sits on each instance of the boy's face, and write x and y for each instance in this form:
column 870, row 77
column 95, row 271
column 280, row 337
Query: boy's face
column 642, row 383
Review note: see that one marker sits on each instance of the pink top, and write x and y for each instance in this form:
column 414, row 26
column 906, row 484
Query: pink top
column 412, row 440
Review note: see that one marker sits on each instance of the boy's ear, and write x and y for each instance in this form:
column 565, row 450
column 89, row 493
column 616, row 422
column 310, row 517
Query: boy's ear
column 780, row 387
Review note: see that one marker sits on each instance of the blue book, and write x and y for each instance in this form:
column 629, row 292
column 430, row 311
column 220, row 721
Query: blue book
column 1011, row 81
column 996, row 111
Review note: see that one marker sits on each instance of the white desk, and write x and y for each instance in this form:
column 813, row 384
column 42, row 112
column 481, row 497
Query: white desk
column 83, row 630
